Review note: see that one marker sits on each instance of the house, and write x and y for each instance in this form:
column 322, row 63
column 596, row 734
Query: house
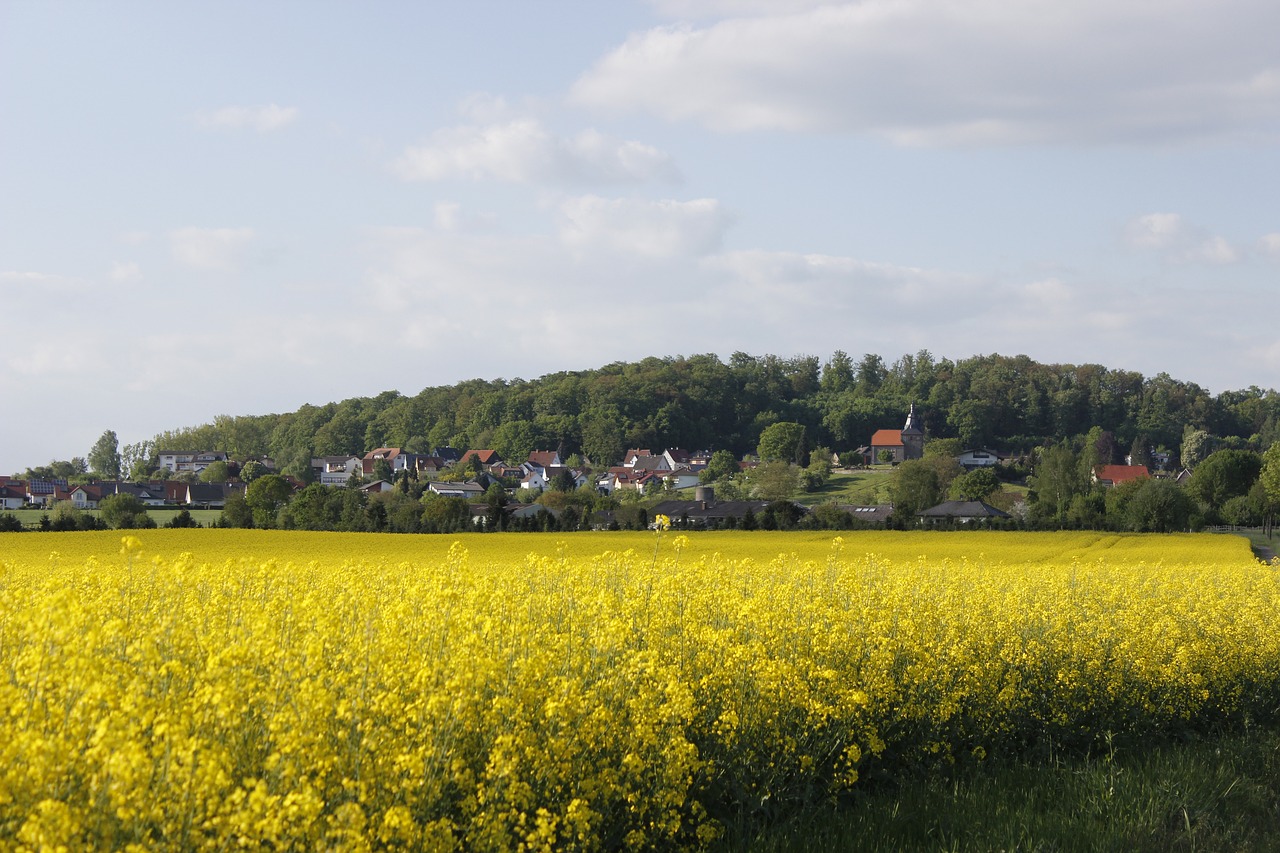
column 961, row 512
column 681, row 477
column 151, row 494
column 979, row 457
column 707, row 512
column 396, row 457
column 873, row 514
column 430, row 465
column 91, row 495
column 1114, row 475
column 450, row 456
column 46, row 492
column 87, row 495
column 542, row 459
column 677, row 458
column 486, row 458
column 470, row 491
column 649, row 463
column 620, row 479
column 13, row 495
column 211, row 495
column 535, row 479
column 898, row 445
column 377, row 487
column 336, row 470
column 193, row 461
column 629, row 458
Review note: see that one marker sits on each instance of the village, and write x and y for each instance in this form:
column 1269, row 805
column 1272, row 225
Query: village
column 674, row 482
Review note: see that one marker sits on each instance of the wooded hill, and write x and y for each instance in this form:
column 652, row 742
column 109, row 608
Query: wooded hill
column 701, row 402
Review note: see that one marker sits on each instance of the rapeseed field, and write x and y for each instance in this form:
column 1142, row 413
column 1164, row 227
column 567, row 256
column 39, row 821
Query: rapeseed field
column 191, row 690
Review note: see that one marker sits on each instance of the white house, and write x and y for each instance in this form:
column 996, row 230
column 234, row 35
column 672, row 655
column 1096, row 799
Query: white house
column 335, row 470
column 194, row 461
column 13, row 495
column 978, row 457
column 681, row 478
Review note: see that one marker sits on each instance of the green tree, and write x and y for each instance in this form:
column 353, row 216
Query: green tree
column 216, row 472
column 1159, row 506
column 1195, row 446
column 722, row 465
column 816, row 474
column 976, row 485
column 382, row 471
column 775, row 480
column 252, row 470
column 104, row 456
column 137, row 461
column 1269, row 479
column 123, row 512
column 182, row 520
column 265, row 496
column 915, row 487
column 1223, row 475
column 236, row 512
column 1059, row 477
column 783, row 441
column 944, row 447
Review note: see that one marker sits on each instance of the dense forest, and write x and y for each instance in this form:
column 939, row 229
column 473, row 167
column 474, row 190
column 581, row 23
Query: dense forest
column 703, row 403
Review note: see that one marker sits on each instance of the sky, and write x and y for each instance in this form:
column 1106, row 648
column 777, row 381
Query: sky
column 243, row 207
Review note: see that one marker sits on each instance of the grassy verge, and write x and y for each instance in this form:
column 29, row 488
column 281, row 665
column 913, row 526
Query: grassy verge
column 866, row 487
column 1211, row 794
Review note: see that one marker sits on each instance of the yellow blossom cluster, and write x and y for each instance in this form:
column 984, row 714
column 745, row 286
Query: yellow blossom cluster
column 191, row 690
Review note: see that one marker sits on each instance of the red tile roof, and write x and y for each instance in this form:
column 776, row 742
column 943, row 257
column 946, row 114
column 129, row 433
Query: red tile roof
column 887, row 438
column 1116, row 474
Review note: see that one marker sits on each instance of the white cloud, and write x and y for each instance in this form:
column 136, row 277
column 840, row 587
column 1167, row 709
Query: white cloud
column 32, row 281
column 654, row 229
column 523, row 151
column 981, row 72
column 686, row 9
column 125, row 271
column 217, row 249
column 263, row 119
column 1154, row 231
column 1214, row 250
column 1269, row 244
column 1179, row 241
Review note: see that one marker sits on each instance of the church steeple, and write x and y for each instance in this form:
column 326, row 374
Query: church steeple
column 912, row 436
column 913, row 422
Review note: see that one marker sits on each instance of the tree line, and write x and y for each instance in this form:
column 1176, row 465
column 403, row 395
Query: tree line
column 706, row 403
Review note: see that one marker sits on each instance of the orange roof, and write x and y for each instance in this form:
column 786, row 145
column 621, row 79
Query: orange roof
column 1116, row 474
column 887, row 438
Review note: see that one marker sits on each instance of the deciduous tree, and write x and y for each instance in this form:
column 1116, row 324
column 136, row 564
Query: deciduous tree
column 104, row 456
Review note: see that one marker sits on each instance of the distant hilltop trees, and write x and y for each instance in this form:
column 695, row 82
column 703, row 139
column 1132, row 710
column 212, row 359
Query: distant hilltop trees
column 702, row 401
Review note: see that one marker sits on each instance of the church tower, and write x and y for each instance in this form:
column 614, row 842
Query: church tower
column 912, row 436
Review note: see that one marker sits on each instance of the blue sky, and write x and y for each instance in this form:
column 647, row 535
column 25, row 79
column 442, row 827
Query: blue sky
column 238, row 208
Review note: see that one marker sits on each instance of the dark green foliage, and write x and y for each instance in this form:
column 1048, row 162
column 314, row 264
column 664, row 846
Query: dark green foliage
column 1159, row 506
column 1224, row 475
column 236, row 512
column 700, row 402
column 977, row 485
column 124, row 512
column 182, row 519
